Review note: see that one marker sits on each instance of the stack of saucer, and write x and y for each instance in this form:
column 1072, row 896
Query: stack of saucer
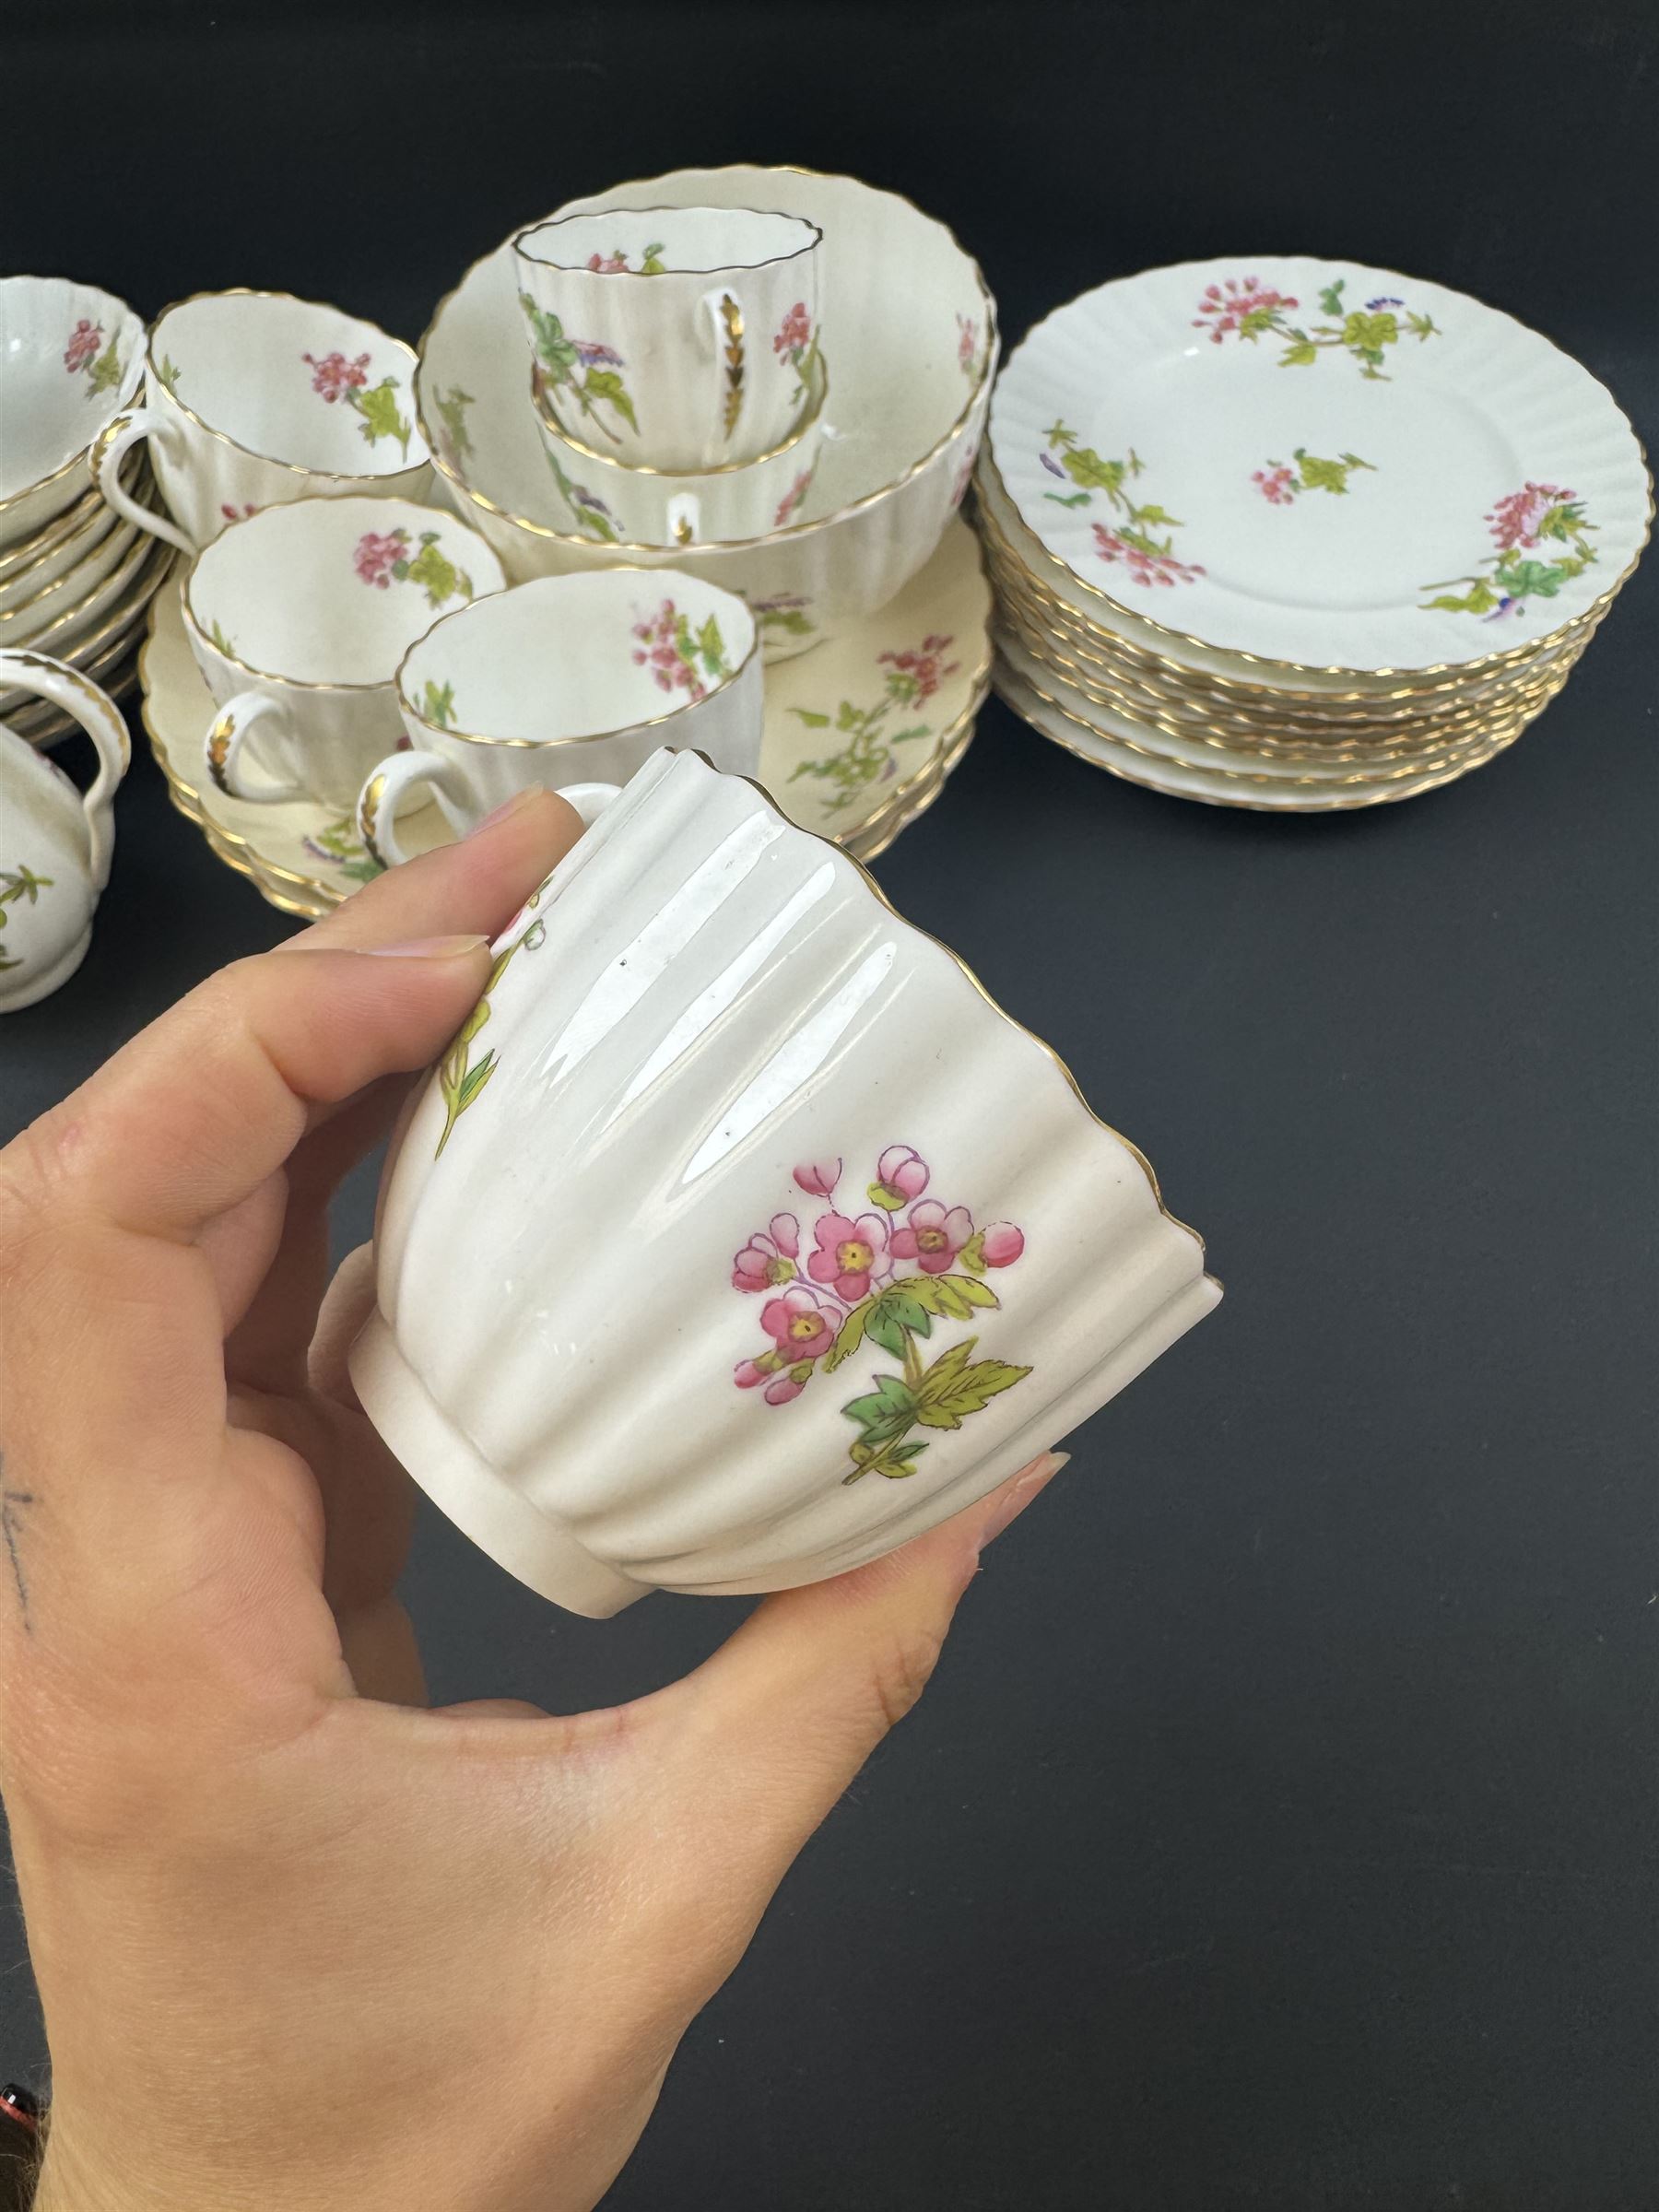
column 1296, row 535
column 75, row 577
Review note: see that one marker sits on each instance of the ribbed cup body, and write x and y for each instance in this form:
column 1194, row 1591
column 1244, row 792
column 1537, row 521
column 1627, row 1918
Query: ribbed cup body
column 709, row 1000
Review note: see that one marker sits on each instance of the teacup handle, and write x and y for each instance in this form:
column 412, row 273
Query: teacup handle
column 724, row 312
column 104, row 457
column 399, row 773
column 100, row 718
column 222, row 749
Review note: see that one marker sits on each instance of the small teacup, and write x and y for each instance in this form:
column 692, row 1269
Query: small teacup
column 679, row 338
column 254, row 398
column 569, row 677
column 298, row 618
column 618, row 503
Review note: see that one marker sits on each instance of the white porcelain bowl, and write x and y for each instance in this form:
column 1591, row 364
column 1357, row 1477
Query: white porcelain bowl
column 739, row 1237
column 70, row 357
column 913, row 336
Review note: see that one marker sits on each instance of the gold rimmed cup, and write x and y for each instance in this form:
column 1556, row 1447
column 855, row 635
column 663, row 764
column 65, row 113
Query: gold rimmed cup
column 298, row 617
column 253, row 398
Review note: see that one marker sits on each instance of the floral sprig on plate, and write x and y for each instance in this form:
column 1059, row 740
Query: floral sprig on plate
column 591, row 373
column 384, row 558
column 884, row 1277
column 16, row 885
column 967, row 346
column 1280, row 484
column 340, row 846
column 86, row 354
column 1148, row 559
column 911, row 678
column 680, row 658
column 1246, row 308
column 1544, row 520
column 336, row 379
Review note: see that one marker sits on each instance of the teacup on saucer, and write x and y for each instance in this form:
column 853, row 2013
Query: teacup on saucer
column 623, row 502
column 253, row 398
column 298, row 617
column 567, row 678
column 678, row 336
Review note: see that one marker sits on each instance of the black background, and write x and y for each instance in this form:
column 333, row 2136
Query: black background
column 1279, row 1829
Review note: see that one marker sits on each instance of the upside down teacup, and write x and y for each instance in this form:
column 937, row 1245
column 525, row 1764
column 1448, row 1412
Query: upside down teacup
column 738, row 1235
column 681, row 337
column 567, row 677
column 298, row 617
column 618, row 503
column 253, row 398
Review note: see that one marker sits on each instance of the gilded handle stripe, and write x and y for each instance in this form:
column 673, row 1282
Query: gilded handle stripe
column 218, row 753
column 369, row 800
column 731, row 316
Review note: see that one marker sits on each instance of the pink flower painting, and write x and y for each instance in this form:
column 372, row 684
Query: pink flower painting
column 883, row 1283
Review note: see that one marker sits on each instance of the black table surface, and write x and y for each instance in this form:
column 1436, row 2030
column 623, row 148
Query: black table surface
column 1278, row 1829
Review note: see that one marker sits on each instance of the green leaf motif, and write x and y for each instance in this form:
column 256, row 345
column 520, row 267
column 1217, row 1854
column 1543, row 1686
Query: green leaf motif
column 849, row 1336
column 105, row 372
column 605, row 384
column 956, row 1385
column 1531, row 578
column 886, row 1413
column 377, row 403
column 1301, row 355
column 1370, row 332
column 1072, row 499
column 436, row 573
column 438, row 703
column 1330, row 298
column 893, row 1314
column 813, row 720
column 1085, row 466
column 451, row 411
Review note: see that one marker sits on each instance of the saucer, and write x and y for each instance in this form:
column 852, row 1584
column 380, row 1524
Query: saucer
column 861, row 733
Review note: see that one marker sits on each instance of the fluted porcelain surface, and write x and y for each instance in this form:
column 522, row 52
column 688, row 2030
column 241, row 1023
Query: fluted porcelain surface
column 912, row 349
column 604, row 1279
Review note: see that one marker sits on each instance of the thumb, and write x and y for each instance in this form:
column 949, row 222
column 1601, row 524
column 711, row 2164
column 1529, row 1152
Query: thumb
column 771, row 1730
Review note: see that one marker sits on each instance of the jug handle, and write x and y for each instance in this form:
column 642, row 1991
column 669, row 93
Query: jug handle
column 100, row 718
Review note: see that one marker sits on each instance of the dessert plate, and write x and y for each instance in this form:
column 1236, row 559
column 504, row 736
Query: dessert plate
column 1323, row 468
column 860, row 735
column 1211, row 787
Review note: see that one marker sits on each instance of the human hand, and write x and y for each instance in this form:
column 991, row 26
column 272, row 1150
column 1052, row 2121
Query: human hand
column 298, row 1941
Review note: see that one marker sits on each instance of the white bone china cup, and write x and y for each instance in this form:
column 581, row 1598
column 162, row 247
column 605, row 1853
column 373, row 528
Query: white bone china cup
column 738, row 1235
column 298, row 618
column 567, row 677
column 253, row 398
column 680, row 337
column 620, row 502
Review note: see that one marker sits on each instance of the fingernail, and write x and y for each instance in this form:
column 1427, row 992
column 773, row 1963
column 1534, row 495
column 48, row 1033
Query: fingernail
column 1021, row 1493
column 428, row 948
column 518, row 800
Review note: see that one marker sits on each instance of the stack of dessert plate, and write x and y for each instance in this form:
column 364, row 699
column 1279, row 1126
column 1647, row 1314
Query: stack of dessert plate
column 76, row 577
column 1290, row 534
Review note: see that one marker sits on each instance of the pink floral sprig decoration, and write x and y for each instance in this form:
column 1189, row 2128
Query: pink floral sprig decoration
column 795, row 341
column 335, row 379
column 857, row 1289
column 86, row 354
